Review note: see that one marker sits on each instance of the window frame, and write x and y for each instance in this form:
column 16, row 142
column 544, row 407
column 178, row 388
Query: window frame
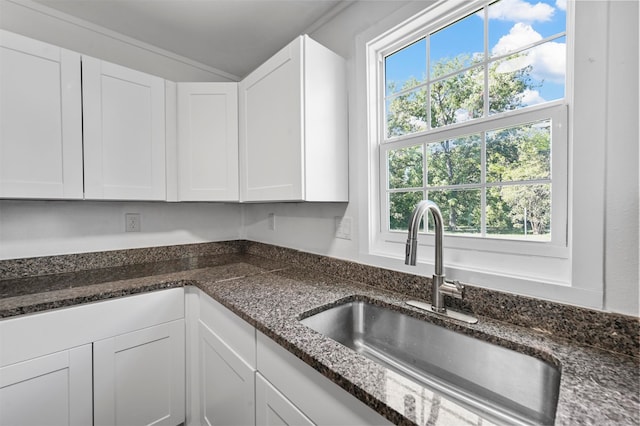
column 555, row 110
column 576, row 279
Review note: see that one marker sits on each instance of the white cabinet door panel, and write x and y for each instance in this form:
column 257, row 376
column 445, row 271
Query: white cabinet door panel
column 294, row 127
column 51, row 390
column 124, row 132
column 271, row 147
column 274, row 409
column 139, row 377
column 207, row 141
column 40, row 120
column 226, row 383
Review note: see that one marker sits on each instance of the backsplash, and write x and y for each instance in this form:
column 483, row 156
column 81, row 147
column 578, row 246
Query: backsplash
column 614, row 332
column 46, row 265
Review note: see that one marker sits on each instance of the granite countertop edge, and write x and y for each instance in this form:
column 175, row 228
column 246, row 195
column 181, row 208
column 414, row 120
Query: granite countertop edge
column 597, row 386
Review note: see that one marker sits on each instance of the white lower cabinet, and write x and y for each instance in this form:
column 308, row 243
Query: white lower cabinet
column 274, row 409
column 239, row 376
column 118, row 362
column 54, row 389
column 139, row 377
column 129, row 361
column 221, row 362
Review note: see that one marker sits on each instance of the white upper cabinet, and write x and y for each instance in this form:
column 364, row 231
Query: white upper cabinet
column 40, row 120
column 293, row 127
column 124, row 132
column 207, row 147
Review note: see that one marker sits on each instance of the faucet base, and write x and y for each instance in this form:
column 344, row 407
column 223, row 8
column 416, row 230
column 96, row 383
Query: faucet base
column 447, row 313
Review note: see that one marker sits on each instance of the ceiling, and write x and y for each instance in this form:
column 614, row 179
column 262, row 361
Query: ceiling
column 234, row 36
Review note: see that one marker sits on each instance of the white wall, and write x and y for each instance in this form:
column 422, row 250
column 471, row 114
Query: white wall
column 310, row 227
column 37, row 228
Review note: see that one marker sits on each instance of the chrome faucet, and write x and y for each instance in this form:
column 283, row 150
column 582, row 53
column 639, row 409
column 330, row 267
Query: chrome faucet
column 440, row 286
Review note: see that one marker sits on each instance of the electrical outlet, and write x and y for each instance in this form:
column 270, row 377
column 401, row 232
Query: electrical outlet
column 271, row 222
column 132, row 222
column 343, row 227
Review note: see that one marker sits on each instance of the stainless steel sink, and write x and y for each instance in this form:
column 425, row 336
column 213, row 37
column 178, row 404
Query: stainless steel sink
column 499, row 384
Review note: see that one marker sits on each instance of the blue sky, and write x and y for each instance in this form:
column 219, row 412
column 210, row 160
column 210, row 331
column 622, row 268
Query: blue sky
column 512, row 24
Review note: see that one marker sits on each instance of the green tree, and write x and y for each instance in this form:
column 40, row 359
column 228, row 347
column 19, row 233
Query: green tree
column 509, row 156
column 530, row 204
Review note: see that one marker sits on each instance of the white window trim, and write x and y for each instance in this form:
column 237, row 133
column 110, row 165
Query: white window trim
column 575, row 276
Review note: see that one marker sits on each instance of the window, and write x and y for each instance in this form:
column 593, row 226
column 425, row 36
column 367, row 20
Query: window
column 472, row 115
column 561, row 260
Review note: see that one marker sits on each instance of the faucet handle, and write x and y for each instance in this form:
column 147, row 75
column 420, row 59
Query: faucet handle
column 453, row 289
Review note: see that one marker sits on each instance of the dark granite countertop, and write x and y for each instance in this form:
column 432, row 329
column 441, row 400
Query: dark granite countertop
column 597, row 386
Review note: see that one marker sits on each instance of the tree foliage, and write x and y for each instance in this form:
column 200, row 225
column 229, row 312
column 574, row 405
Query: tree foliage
column 514, row 156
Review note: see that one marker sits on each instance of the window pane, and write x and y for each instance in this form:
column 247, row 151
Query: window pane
column 519, row 211
column 401, row 205
column 528, row 78
column 456, row 46
column 517, row 24
column 405, row 68
column 519, row 153
column 406, row 113
column 460, row 210
column 405, row 167
column 457, row 98
column 454, row 161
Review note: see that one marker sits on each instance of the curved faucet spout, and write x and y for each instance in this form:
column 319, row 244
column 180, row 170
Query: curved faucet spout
column 412, row 238
column 440, row 286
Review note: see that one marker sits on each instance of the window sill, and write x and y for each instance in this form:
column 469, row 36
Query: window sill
column 540, row 277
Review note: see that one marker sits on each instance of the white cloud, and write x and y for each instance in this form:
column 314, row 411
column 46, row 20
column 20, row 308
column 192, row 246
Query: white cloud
column 548, row 60
column 532, row 97
column 522, row 11
column 519, row 35
column 561, row 4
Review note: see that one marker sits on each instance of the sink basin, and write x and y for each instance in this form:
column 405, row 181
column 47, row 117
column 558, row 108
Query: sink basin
column 499, row 384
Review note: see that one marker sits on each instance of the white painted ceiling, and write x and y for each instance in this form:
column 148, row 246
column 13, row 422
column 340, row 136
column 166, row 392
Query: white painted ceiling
column 234, row 36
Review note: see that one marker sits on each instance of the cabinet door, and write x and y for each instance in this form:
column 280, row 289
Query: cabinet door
column 271, row 128
column 139, row 377
column 274, row 409
column 50, row 390
column 207, row 142
column 226, row 383
column 40, row 120
column 124, row 132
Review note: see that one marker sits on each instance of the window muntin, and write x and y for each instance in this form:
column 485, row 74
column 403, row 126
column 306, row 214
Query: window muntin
column 491, row 183
column 507, row 55
column 490, row 179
